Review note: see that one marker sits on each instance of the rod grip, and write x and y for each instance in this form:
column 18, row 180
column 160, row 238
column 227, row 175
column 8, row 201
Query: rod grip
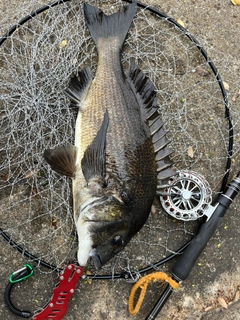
column 184, row 265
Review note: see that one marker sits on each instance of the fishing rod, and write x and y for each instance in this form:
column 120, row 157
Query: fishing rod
column 184, row 265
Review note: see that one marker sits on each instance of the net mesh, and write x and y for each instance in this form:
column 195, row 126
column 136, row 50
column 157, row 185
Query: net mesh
column 36, row 63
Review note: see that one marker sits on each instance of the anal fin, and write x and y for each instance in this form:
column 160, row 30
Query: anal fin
column 162, row 153
column 165, row 175
column 62, row 159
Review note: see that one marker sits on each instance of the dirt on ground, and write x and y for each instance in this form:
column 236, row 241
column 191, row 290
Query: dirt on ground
column 213, row 288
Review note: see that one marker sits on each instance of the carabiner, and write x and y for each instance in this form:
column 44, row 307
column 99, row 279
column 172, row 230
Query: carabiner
column 57, row 306
column 19, row 275
column 28, row 272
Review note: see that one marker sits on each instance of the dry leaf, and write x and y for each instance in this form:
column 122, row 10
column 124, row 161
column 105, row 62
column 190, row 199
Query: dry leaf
column 30, row 174
column 153, row 209
column 226, row 85
column 63, row 43
column 74, row 61
column 190, row 152
column 208, row 308
column 5, row 177
column 236, row 2
column 88, row 273
column 180, row 22
column 237, row 296
column 222, row 302
column 88, row 281
column 34, row 193
column 201, row 71
column 233, row 99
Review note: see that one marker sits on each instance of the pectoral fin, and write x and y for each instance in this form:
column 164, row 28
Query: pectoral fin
column 94, row 158
column 62, row 159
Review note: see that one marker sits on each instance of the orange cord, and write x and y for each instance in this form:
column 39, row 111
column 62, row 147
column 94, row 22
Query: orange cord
column 142, row 284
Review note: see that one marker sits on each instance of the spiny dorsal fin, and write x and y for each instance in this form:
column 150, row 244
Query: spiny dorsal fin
column 78, row 86
column 143, row 89
column 94, row 158
column 62, row 159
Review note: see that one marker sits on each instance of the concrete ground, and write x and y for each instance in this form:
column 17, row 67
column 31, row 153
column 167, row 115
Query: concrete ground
column 213, row 287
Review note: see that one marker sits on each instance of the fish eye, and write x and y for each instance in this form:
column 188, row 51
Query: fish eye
column 117, row 241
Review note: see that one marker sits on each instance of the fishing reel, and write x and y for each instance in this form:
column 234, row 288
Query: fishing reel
column 187, row 196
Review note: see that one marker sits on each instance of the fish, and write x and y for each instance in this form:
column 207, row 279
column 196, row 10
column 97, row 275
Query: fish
column 120, row 156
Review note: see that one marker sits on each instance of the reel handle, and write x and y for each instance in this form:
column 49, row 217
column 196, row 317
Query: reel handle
column 184, row 265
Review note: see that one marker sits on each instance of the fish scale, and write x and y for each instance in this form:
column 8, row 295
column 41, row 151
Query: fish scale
column 121, row 121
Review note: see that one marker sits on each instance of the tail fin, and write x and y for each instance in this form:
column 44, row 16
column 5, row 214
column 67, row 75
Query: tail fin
column 115, row 25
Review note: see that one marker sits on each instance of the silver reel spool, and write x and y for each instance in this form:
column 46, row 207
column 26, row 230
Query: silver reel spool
column 187, row 197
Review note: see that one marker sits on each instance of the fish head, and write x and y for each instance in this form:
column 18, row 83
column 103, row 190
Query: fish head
column 103, row 230
column 114, row 237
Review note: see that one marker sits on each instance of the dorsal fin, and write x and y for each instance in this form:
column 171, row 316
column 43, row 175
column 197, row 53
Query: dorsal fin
column 94, row 158
column 78, row 86
column 143, row 89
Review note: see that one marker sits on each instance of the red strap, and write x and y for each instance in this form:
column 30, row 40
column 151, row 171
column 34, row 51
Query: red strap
column 57, row 307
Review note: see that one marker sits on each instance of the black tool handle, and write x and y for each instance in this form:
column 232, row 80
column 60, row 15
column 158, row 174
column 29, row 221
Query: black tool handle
column 160, row 303
column 184, row 265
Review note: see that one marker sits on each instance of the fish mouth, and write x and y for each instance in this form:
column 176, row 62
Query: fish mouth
column 96, row 259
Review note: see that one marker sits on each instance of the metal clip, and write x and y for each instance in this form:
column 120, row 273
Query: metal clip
column 19, row 275
column 130, row 277
column 15, row 276
column 57, row 307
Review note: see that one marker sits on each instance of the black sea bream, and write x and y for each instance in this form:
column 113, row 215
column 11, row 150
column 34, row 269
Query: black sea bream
column 120, row 153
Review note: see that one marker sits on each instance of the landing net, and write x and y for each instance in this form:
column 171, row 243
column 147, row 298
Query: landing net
column 36, row 62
